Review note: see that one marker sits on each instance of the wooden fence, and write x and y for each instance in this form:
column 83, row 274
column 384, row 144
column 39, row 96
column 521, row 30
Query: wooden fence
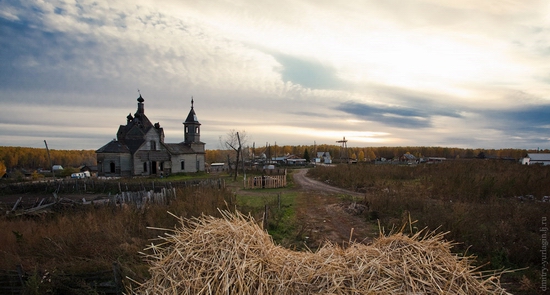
column 109, row 281
column 94, row 185
column 271, row 181
column 141, row 198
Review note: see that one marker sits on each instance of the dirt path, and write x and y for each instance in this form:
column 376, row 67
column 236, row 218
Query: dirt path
column 307, row 184
column 321, row 215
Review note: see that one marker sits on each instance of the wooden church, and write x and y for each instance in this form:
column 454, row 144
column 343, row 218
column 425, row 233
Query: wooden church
column 139, row 148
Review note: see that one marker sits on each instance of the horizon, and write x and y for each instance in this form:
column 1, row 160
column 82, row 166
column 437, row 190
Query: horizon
column 395, row 74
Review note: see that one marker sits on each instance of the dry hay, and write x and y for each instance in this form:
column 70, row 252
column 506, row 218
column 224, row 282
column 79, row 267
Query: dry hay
column 233, row 255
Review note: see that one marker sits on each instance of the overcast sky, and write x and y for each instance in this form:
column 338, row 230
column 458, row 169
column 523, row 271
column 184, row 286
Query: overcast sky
column 468, row 73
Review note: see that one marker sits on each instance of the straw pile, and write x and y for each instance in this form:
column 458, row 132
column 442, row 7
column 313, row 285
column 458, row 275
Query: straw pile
column 233, row 255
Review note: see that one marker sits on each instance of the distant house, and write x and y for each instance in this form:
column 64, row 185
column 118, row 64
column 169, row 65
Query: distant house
column 57, row 167
column 295, row 160
column 435, row 159
column 139, row 148
column 323, row 157
column 91, row 169
column 217, row 167
column 288, row 160
column 408, row 158
column 536, row 158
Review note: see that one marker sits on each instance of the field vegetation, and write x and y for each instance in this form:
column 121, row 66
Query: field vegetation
column 493, row 209
column 59, row 251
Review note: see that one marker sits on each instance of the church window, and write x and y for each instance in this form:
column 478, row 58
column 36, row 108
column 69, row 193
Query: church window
column 112, row 166
column 153, row 145
column 144, row 166
column 182, row 165
column 196, row 129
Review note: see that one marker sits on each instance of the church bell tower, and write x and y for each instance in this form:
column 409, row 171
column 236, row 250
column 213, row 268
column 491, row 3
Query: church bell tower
column 192, row 130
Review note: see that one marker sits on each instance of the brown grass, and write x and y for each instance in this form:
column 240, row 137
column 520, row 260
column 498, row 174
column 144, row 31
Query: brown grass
column 84, row 240
column 233, row 255
column 474, row 200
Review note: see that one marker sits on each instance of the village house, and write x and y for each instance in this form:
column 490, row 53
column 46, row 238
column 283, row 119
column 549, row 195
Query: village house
column 140, row 150
column 322, row 158
column 536, row 158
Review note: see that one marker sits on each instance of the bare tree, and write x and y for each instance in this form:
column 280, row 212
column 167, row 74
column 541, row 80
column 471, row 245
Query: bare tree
column 235, row 141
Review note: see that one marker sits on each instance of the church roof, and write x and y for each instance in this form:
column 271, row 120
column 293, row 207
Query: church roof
column 114, row 146
column 192, row 117
column 180, row 148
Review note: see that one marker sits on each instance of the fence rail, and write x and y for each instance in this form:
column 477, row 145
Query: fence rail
column 141, row 198
column 109, row 281
column 94, row 185
column 272, row 181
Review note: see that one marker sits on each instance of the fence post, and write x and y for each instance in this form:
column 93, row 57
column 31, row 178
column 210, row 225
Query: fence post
column 265, row 217
column 117, row 277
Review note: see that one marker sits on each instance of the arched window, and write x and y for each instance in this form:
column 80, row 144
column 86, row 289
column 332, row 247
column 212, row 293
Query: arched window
column 182, row 163
column 112, row 166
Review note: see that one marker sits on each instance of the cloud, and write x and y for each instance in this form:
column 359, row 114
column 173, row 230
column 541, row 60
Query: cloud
column 289, row 71
column 395, row 115
column 309, row 73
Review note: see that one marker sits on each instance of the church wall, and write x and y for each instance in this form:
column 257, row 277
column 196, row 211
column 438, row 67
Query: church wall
column 190, row 163
column 150, row 137
column 160, row 158
column 122, row 164
column 198, row 147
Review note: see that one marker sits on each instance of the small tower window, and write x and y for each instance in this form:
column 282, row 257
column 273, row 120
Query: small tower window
column 196, row 129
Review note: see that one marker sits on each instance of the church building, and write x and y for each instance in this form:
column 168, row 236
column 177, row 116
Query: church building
column 140, row 150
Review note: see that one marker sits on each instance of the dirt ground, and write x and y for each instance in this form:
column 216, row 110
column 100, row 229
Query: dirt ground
column 320, row 211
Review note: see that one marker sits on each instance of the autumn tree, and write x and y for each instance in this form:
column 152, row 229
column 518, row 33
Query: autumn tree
column 235, row 141
column 2, row 169
column 361, row 156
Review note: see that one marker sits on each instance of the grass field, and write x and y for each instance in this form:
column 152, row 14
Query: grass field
column 492, row 209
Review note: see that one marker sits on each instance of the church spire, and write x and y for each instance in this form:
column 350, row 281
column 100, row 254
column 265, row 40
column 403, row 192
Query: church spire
column 191, row 132
column 141, row 107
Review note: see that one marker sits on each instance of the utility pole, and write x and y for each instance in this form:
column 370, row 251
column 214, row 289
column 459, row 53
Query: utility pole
column 50, row 159
column 344, row 149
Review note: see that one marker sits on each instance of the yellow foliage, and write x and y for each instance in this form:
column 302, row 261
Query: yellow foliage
column 2, row 169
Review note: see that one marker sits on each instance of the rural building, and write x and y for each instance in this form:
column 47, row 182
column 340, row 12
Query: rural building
column 408, row 158
column 536, row 158
column 323, row 157
column 139, row 148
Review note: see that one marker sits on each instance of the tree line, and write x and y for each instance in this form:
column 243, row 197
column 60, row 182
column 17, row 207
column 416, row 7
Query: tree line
column 367, row 153
column 26, row 157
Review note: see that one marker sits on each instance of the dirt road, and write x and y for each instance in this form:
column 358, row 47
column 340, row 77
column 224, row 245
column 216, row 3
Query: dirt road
column 320, row 213
column 307, row 184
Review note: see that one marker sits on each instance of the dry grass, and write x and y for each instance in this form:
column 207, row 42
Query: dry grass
column 233, row 255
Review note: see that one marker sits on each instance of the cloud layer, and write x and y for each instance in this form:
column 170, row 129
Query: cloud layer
column 419, row 72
